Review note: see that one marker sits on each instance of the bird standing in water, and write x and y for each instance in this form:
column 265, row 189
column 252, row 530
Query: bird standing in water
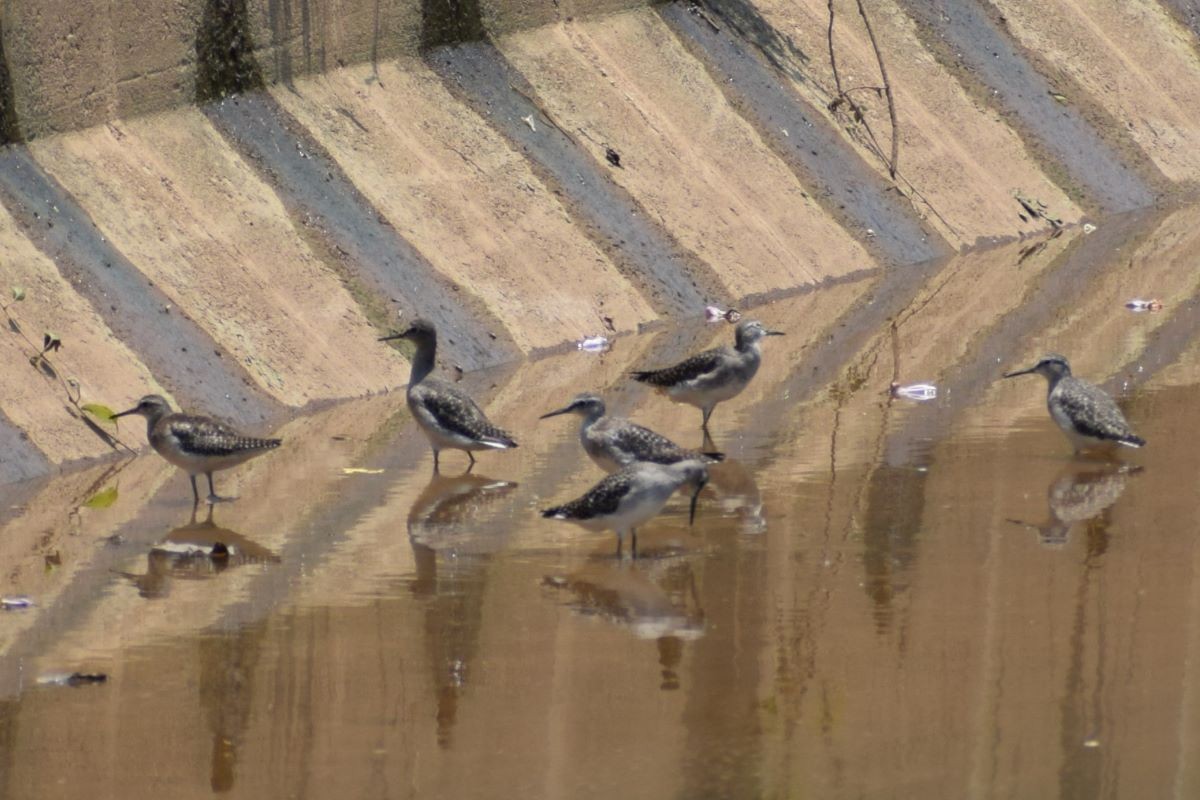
column 715, row 375
column 448, row 416
column 635, row 494
column 1085, row 413
column 194, row 443
column 615, row 442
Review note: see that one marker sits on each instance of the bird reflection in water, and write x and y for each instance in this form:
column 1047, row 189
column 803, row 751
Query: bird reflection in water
column 196, row 551
column 738, row 495
column 653, row 599
column 1081, row 493
column 452, row 551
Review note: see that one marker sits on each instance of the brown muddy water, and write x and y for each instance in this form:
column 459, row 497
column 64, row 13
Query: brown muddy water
column 879, row 598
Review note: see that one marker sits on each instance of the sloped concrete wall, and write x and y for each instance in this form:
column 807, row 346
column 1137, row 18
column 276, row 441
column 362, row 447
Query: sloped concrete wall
column 229, row 200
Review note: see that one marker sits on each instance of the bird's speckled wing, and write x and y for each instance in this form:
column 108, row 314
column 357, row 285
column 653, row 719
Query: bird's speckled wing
column 458, row 413
column 643, row 444
column 687, row 370
column 603, row 498
column 202, row 436
column 1093, row 413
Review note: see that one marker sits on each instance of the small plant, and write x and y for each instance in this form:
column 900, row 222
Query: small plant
column 39, row 359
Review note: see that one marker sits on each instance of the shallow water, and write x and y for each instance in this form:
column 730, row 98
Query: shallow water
column 879, row 598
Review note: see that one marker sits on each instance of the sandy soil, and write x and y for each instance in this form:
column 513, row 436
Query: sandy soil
column 1134, row 60
column 626, row 82
column 963, row 159
column 468, row 202
column 195, row 218
column 106, row 371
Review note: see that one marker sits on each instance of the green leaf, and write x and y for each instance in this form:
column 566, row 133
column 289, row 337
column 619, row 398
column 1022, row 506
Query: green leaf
column 100, row 412
column 18, row 293
column 103, row 499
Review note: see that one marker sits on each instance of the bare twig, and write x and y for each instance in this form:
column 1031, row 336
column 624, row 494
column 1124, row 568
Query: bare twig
column 837, row 81
column 41, row 362
column 866, row 137
column 887, row 88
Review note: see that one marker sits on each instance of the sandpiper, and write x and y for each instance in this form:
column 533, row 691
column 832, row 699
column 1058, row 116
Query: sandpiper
column 615, row 442
column 715, row 375
column 449, row 418
column 1085, row 413
column 196, row 444
column 633, row 495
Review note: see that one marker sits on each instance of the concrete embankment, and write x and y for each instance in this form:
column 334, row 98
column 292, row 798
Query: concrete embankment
column 228, row 200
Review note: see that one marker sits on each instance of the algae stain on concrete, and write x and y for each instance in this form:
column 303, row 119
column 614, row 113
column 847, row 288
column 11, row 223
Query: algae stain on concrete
column 10, row 131
column 450, row 22
column 225, row 52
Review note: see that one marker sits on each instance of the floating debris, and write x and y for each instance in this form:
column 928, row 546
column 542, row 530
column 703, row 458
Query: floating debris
column 1138, row 304
column 1091, row 743
column 1088, row 227
column 714, row 314
column 915, row 391
column 529, row 121
column 594, row 344
column 72, row 679
column 360, row 471
column 16, row 602
column 185, row 550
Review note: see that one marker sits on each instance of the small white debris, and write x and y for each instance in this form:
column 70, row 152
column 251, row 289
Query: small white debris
column 360, row 471
column 1138, row 304
column 16, row 602
column 714, row 314
column 916, row 391
column 529, row 121
column 1088, row 227
column 594, row 344
column 1092, row 743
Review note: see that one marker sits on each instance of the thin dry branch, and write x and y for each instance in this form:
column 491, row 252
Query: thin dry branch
column 887, row 88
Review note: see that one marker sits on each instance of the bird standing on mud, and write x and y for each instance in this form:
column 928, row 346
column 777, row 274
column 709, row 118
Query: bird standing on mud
column 196, row 444
column 450, row 419
column 615, row 442
column 1085, row 413
column 715, row 375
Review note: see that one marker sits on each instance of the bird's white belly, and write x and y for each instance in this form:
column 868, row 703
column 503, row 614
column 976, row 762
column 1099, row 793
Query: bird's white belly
column 642, row 507
column 701, row 394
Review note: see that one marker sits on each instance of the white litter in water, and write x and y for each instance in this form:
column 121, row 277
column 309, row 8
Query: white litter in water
column 594, row 344
column 714, row 314
column 15, row 602
column 1088, row 227
column 916, row 391
column 1138, row 304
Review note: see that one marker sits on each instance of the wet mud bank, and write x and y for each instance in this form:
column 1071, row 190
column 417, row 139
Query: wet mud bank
column 231, row 202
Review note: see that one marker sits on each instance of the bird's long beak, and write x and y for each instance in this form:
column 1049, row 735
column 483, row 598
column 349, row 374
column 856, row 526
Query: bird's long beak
column 1019, row 372
column 563, row 410
column 391, row 336
column 126, row 413
column 774, row 333
column 695, row 497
